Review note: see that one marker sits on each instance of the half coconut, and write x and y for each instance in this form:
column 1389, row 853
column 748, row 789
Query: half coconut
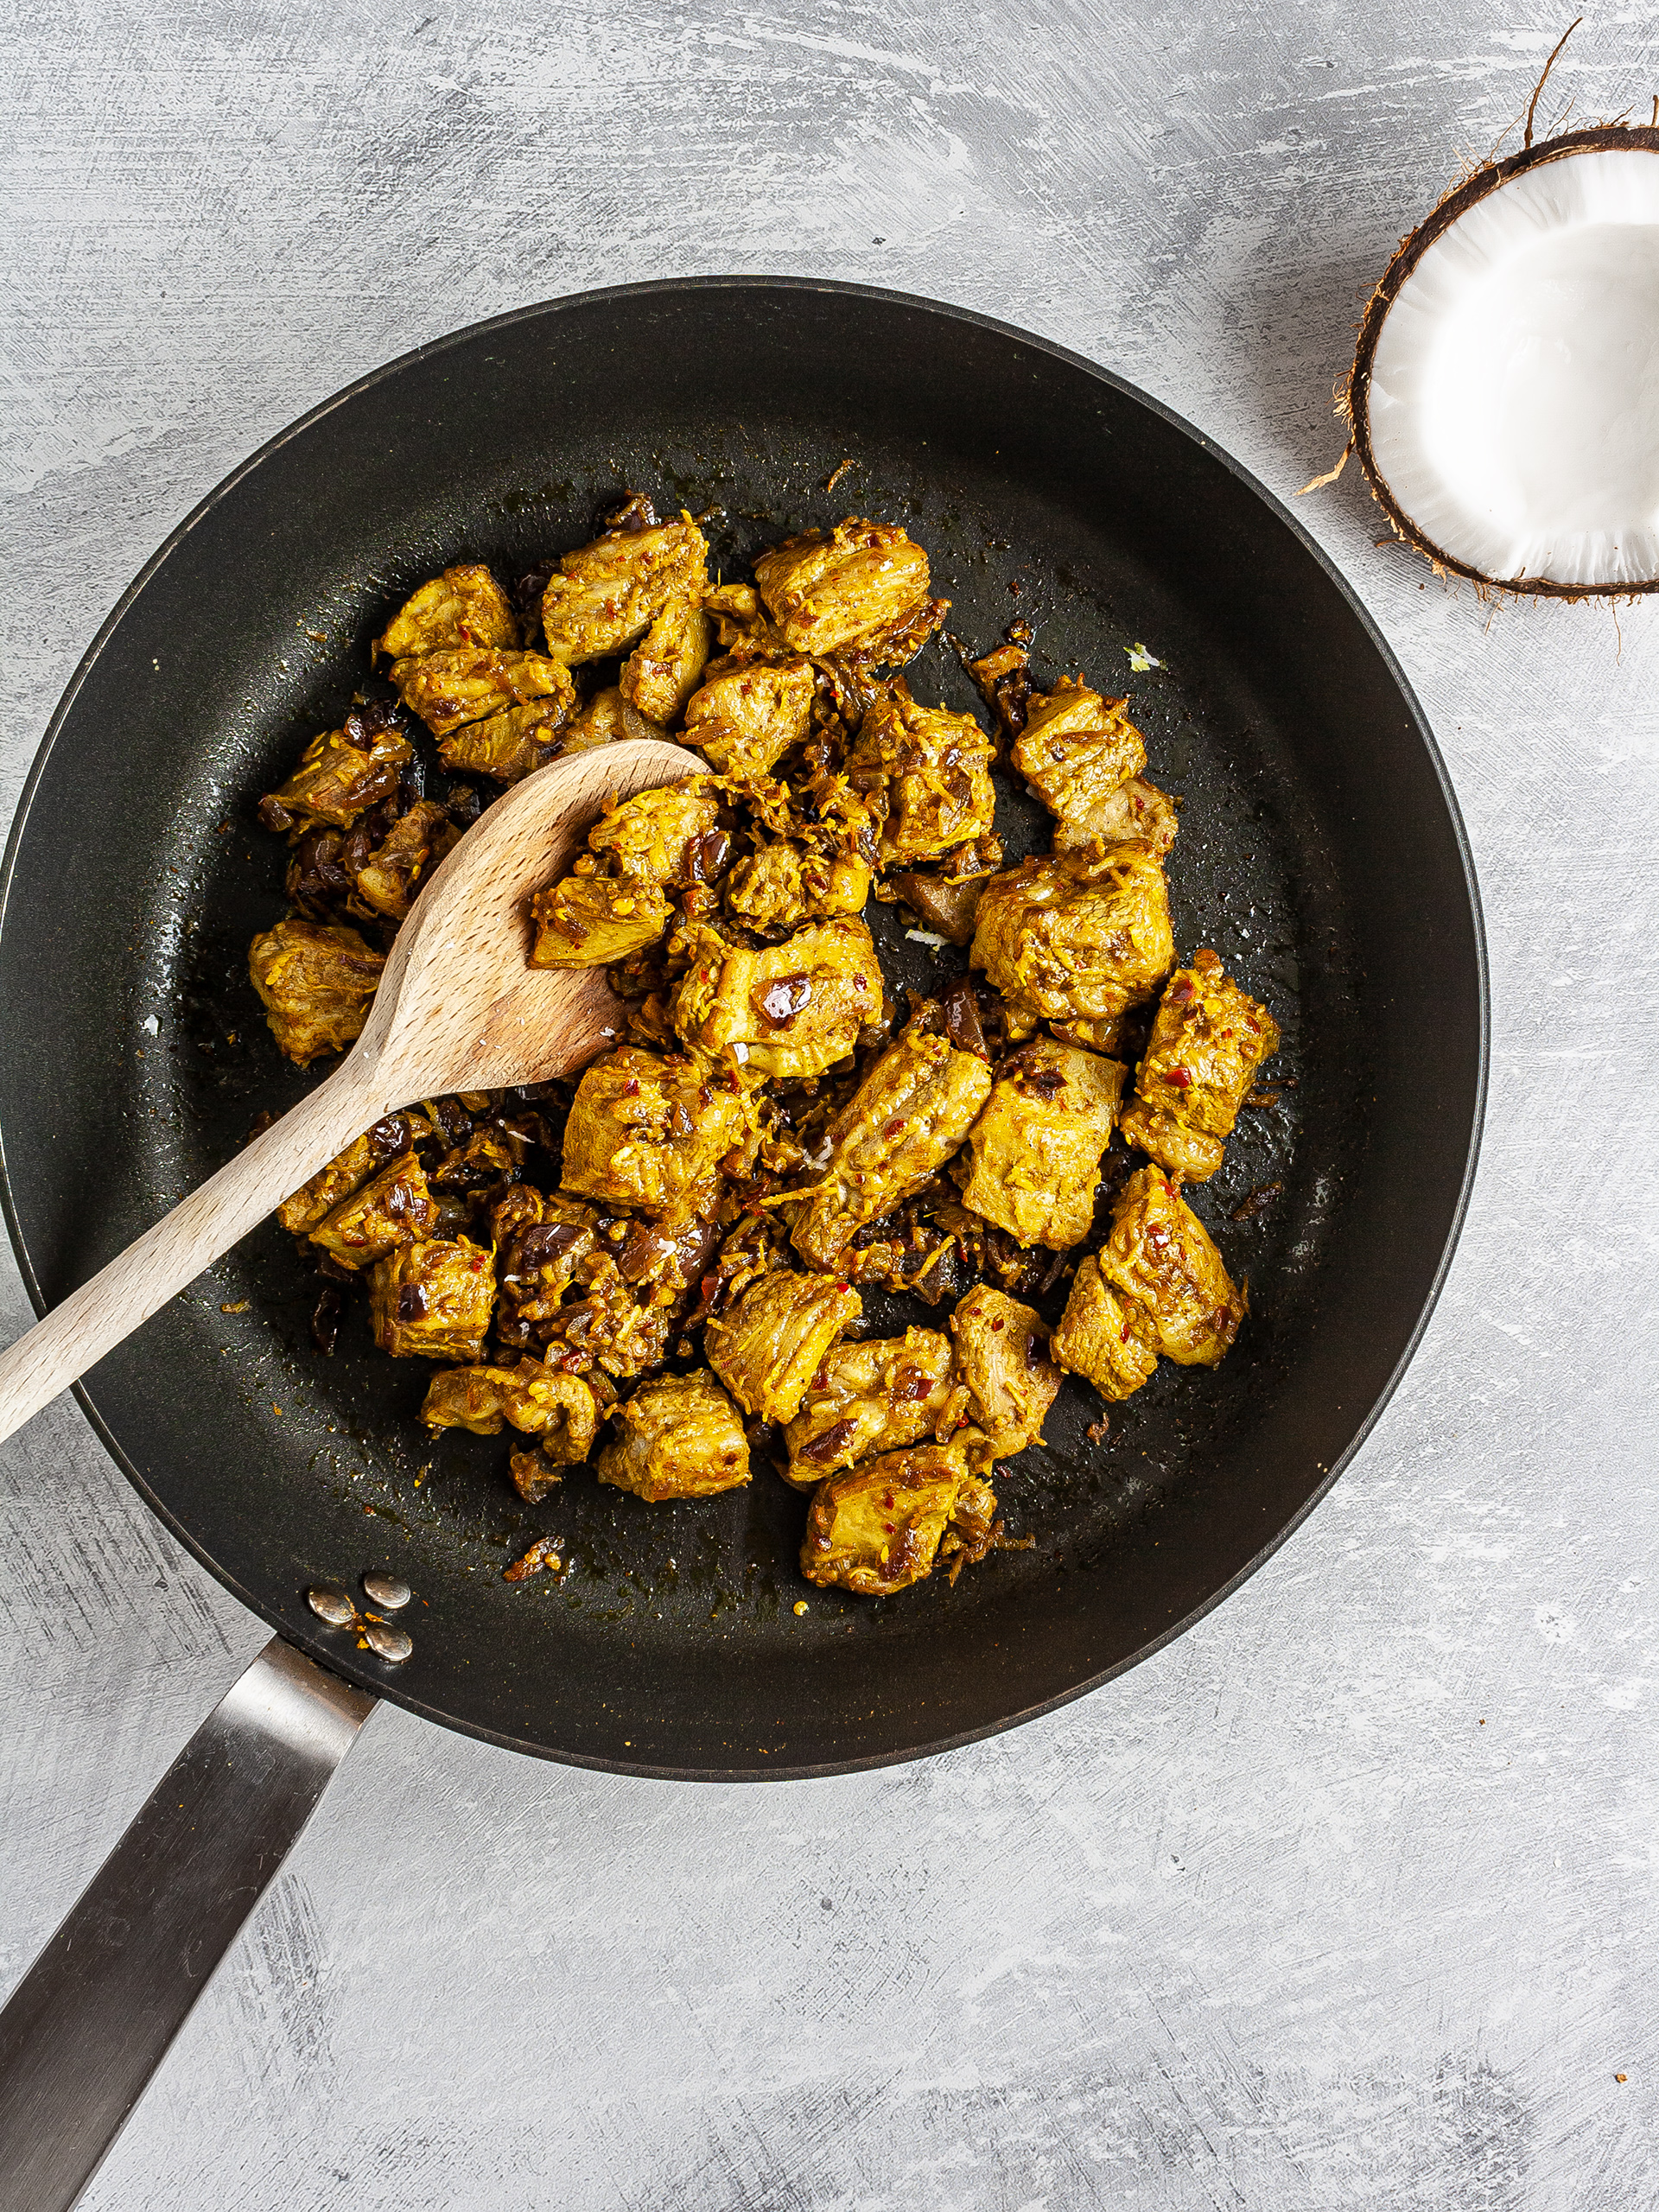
column 1505, row 398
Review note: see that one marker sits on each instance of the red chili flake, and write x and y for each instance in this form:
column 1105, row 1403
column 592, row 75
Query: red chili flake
column 1180, row 1079
column 631, row 1089
column 996, row 1325
column 892, row 1128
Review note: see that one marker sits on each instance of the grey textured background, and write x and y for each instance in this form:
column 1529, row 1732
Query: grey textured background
column 1347, row 1900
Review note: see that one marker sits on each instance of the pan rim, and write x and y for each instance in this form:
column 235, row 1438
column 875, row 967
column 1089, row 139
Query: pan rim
column 378, row 1684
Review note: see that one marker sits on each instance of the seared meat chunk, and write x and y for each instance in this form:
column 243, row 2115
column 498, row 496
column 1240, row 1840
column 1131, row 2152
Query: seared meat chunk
column 607, row 719
column 465, row 683
column 749, row 714
column 677, row 1436
column 513, row 743
column 655, row 833
column 872, row 1397
column 878, row 1528
column 1002, row 1358
column 666, row 666
column 393, row 1208
column 1207, row 1042
column 605, row 594
column 1137, row 813
column 594, row 921
column 341, row 772
column 785, row 884
column 1101, row 1335
column 897, row 1130
column 768, row 1345
column 463, row 607
column 1077, row 751
column 1160, row 1256
column 789, row 1010
column 405, row 856
column 1077, row 939
column 828, row 591
column 928, row 773
column 558, row 1409
column 316, row 981
column 433, row 1299
column 1037, row 1146
column 651, row 1133
column 351, row 1170
column 607, row 1325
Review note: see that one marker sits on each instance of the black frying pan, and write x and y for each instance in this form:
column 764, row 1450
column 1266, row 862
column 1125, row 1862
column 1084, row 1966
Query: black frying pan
column 1320, row 853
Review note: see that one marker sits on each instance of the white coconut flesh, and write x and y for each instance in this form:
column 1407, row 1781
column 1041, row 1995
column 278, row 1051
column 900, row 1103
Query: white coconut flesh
column 1514, row 400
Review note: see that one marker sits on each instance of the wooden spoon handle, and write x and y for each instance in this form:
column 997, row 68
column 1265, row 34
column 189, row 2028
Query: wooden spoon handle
column 93, row 1319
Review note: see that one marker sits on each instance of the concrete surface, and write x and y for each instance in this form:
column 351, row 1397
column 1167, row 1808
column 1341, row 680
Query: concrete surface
column 1347, row 1900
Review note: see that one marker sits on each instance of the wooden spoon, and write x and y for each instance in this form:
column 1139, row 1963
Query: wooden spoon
column 457, row 1008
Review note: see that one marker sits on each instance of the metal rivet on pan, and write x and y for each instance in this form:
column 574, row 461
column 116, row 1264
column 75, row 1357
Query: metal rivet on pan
column 386, row 1590
column 333, row 1606
column 387, row 1642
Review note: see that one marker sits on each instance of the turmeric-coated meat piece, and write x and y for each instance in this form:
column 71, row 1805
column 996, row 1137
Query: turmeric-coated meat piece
column 393, row 1208
column 928, row 773
column 607, row 719
column 871, row 1397
column 666, row 666
column 558, row 1409
column 825, row 592
column 405, row 856
column 463, row 607
column 1077, row 938
column 1102, row 1336
column 1077, row 751
column 878, row 1528
column 677, row 1436
column 897, row 1130
column 465, row 683
column 768, row 1346
column 1002, row 1359
column 789, row 1010
column 433, row 1299
column 341, row 772
column 1160, row 1256
column 1037, row 1146
column 658, row 833
column 787, row 883
column 1137, row 813
column 605, row 595
column 651, row 1133
column 1207, row 1042
column 515, row 742
column 748, row 713
column 350, row 1170
column 316, row 980
column 594, row 921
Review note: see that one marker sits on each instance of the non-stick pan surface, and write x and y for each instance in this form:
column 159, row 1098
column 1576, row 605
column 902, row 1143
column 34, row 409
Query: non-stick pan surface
column 1320, row 853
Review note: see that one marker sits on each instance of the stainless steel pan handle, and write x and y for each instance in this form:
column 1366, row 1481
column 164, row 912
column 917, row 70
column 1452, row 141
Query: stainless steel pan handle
column 92, row 2018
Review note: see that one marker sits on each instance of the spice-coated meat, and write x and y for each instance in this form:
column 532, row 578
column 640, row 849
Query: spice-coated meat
column 651, row 1132
column 906, row 1118
column 748, row 713
column 316, row 980
column 605, row 594
column 559, row 1410
column 433, row 1299
column 826, row 592
column 463, row 607
column 928, row 773
column 666, row 666
column 342, row 774
column 878, row 1528
column 592, row 921
column 1077, row 751
column 394, row 1207
column 1101, row 1335
column 788, row 1010
column 1037, row 1146
column 870, row 1397
column 1160, row 1256
column 464, row 684
column 768, row 1346
column 351, row 1170
column 1002, row 1359
column 677, row 1436
column 1207, row 1042
column 1077, row 939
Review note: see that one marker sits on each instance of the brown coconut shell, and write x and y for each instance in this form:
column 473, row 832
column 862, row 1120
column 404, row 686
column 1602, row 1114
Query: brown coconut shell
column 1353, row 399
